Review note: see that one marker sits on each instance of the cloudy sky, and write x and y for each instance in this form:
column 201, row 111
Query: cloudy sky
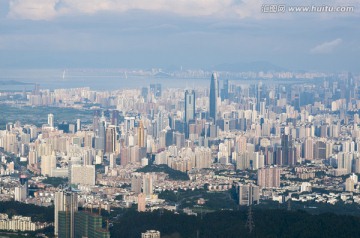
column 174, row 33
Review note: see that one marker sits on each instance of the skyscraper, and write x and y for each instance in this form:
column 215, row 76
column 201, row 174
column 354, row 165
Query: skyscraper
column 287, row 150
column 136, row 182
column 66, row 204
column 100, row 137
column 110, row 139
column 259, row 89
column 145, row 93
column 89, row 225
column 21, row 192
column 48, row 163
column 115, row 117
column 155, row 89
column 51, row 120
column 59, row 205
column 78, row 125
column 225, row 90
column 82, row 174
column 141, row 202
column 214, row 95
column 189, row 105
column 248, row 194
column 141, row 136
column 148, row 184
column 269, row 177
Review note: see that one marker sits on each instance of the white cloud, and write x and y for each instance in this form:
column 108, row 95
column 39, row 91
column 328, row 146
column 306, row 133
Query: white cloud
column 49, row 9
column 326, row 47
column 33, row 9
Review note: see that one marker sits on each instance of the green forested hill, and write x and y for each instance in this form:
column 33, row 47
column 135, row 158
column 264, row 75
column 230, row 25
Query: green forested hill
column 221, row 224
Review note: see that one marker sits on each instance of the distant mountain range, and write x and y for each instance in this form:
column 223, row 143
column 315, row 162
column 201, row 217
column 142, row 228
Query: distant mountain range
column 12, row 82
column 250, row 66
column 255, row 66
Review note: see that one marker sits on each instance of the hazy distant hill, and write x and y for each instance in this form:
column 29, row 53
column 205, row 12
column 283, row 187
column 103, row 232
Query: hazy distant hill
column 250, row 66
column 12, row 82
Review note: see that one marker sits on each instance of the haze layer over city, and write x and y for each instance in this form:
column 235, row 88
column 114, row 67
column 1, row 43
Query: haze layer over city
column 179, row 118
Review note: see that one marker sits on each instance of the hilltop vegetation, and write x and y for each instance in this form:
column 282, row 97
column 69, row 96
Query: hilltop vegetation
column 268, row 223
column 173, row 174
column 37, row 213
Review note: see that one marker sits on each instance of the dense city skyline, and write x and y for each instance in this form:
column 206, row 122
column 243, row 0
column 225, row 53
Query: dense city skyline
column 164, row 118
column 255, row 145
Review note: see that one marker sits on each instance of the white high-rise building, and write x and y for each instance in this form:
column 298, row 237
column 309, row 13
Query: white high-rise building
column 65, row 201
column 148, row 184
column 248, row 194
column 189, row 105
column 48, row 163
column 59, row 205
column 20, row 193
column 349, row 185
column 51, row 120
column 269, row 177
column 136, row 182
column 83, row 174
column 78, row 125
column 203, row 157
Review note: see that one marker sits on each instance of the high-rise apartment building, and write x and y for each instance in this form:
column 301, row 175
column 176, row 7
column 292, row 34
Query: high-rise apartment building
column 136, row 182
column 155, row 89
column 287, row 150
column 269, row 177
column 21, row 192
column 66, row 204
column 248, row 194
column 89, row 225
column 110, row 139
column 148, row 184
column 141, row 202
column 51, row 120
column 48, row 163
column 83, row 174
column 100, row 134
column 189, row 105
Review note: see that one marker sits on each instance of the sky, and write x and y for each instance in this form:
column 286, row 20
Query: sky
column 170, row 34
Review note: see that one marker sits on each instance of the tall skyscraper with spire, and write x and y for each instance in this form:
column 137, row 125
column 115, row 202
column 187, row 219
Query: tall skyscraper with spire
column 214, row 94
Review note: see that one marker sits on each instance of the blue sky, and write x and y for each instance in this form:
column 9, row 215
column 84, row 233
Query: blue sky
column 163, row 33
